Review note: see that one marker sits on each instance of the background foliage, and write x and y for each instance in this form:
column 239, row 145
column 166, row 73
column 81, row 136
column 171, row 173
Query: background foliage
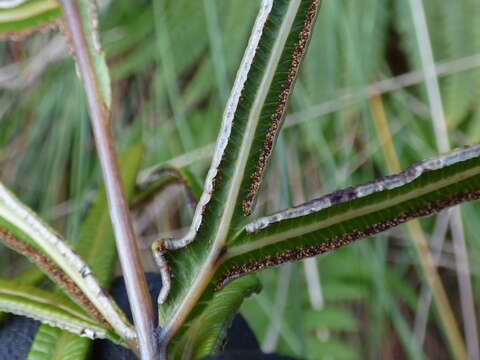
column 172, row 64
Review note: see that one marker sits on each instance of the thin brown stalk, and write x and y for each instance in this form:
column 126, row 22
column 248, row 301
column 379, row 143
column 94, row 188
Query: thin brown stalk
column 136, row 285
column 437, row 245
column 427, row 263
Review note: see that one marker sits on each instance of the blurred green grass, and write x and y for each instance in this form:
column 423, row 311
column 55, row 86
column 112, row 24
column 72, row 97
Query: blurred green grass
column 172, row 63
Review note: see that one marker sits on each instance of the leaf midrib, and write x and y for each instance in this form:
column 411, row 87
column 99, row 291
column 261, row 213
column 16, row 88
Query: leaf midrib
column 27, row 12
column 22, row 217
column 279, row 237
column 51, row 302
column 51, row 317
column 212, row 262
column 59, row 347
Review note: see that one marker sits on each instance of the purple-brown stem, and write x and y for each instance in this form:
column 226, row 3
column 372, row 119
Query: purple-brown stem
column 136, row 285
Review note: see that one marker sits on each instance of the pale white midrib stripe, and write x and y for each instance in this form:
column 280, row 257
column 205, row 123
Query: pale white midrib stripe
column 253, row 120
column 202, row 279
column 227, row 122
column 27, row 12
column 14, row 212
column 6, row 4
column 50, row 318
column 30, row 297
column 276, row 238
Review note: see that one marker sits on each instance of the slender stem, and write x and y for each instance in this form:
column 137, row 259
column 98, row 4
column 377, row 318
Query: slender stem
column 436, row 244
column 137, row 289
column 464, row 284
column 427, row 263
column 430, row 75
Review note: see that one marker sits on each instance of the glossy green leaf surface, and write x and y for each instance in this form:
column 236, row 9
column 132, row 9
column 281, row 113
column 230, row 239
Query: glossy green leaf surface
column 24, row 17
column 55, row 310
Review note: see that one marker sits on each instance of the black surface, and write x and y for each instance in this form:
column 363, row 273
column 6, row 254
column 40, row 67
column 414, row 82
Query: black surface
column 16, row 336
column 240, row 336
column 105, row 349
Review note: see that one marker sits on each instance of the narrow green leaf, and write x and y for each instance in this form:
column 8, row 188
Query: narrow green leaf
column 21, row 18
column 22, row 230
column 252, row 118
column 206, row 333
column 156, row 179
column 54, row 343
column 331, row 318
column 330, row 349
column 28, row 277
column 55, row 310
column 348, row 291
column 339, row 218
